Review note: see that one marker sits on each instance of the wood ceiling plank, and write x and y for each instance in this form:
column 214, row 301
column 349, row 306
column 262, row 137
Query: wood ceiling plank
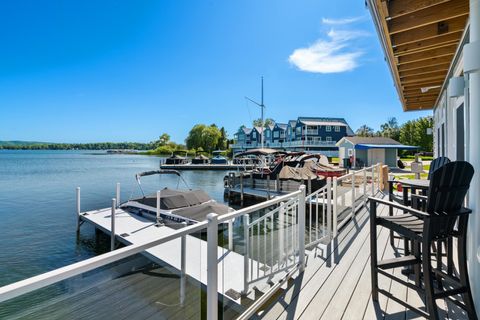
column 430, row 31
column 417, row 79
column 402, row 7
column 425, row 70
column 418, row 92
column 420, row 106
column 427, row 44
column 423, row 17
column 427, row 63
column 428, row 54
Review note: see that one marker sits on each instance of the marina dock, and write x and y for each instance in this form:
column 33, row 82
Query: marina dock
column 133, row 229
column 205, row 167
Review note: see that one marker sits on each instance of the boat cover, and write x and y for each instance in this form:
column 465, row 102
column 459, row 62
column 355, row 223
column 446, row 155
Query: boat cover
column 174, row 199
column 200, row 212
column 302, row 173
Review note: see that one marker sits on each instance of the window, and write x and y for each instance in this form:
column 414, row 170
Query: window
column 267, row 133
column 328, row 139
column 276, row 134
column 328, row 128
column 337, row 128
column 299, row 130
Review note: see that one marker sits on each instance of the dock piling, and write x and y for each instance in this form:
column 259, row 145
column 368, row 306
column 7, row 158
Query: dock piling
column 78, row 209
column 118, row 194
column 158, row 207
column 112, row 232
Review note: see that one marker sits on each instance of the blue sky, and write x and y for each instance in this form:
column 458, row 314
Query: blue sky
column 88, row 71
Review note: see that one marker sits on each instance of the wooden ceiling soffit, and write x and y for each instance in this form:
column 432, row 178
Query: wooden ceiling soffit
column 427, row 16
column 414, row 92
column 425, row 70
column 427, row 44
column 420, row 105
column 447, row 26
column 427, row 63
column 403, row 7
column 440, row 76
column 428, row 54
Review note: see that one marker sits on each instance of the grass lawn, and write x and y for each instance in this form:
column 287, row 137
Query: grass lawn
column 410, row 176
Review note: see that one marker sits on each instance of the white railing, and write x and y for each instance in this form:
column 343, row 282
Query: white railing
column 274, row 243
column 319, row 221
column 290, row 211
column 350, row 193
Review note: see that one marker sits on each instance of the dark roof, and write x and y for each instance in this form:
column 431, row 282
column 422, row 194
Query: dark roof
column 335, row 121
column 372, row 140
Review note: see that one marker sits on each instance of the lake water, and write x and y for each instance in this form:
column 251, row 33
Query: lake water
column 37, row 203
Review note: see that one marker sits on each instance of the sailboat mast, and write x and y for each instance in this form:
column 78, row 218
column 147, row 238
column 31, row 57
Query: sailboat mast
column 261, row 107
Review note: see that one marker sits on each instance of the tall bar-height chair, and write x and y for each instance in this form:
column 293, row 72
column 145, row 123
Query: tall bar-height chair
column 448, row 186
column 405, row 200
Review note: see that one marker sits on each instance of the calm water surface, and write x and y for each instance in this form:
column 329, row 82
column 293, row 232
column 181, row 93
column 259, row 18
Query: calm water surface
column 37, row 203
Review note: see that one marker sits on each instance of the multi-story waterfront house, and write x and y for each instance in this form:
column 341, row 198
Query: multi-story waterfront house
column 316, row 134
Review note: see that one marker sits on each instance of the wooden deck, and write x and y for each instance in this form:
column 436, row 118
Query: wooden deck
column 336, row 282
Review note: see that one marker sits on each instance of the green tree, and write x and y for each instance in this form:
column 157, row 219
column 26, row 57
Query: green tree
column 164, row 139
column 414, row 133
column 202, row 136
column 390, row 129
column 222, row 140
column 267, row 122
column 364, row 131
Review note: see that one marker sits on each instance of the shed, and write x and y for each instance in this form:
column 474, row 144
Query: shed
column 367, row 151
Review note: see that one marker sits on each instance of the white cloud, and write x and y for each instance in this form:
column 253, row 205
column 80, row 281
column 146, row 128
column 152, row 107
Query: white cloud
column 332, row 54
column 344, row 21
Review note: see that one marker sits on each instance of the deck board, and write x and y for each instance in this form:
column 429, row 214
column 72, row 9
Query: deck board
column 342, row 290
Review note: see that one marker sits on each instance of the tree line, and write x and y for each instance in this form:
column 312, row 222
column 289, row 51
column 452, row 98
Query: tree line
column 412, row 132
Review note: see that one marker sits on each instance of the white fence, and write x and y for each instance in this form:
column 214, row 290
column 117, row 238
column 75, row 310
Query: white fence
column 275, row 235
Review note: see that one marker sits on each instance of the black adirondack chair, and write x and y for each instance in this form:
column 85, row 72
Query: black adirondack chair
column 443, row 218
column 434, row 165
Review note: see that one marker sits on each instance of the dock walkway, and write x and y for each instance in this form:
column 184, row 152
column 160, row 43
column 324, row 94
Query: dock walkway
column 132, row 229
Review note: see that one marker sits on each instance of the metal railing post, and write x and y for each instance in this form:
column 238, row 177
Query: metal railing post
column 281, row 238
column 301, row 229
column 118, row 194
column 246, row 273
column 112, row 225
column 158, row 207
column 212, row 266
column 183, row 258
column 78, row 209
column 241, row 187
column 353, row 193
column 334, row 206
column 373, row 181
column 268, row 187
column 364, row 185
column 230, row 235
column 329, row 206
column 379, row 168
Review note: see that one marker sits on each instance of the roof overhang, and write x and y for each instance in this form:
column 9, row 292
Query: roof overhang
column 420, row 39
column 363, row 146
